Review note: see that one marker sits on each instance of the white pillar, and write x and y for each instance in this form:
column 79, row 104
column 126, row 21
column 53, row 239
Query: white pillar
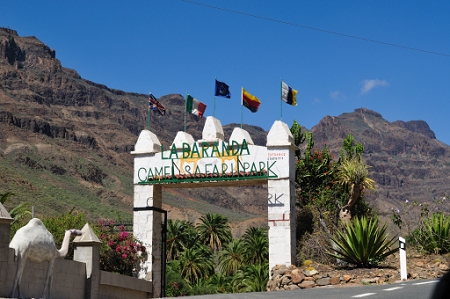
column 147, row 222
column 147, row 229
column 403, row 269
column 281, row 195
column 87, row 250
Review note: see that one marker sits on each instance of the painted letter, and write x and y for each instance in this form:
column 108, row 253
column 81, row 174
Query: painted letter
column 235, row 148
column 269, row 171
column 225, row 148
column 186, row 150
column 173, row 151
column 195, row 151
column 215, row 150
column 205, row 147
column 139, row 174
column 245, row 147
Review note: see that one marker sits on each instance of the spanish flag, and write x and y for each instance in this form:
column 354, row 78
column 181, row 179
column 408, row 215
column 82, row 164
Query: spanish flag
column 250, row 101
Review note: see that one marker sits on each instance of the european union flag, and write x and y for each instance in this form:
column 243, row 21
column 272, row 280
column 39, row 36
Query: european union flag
column 222, row 90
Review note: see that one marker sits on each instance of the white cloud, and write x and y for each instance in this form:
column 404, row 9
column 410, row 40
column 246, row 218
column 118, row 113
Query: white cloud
column 337, row 95
column 316, row 101
column 368, row 85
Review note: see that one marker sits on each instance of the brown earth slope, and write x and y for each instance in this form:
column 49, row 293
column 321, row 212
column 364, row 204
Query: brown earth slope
column 65, row 143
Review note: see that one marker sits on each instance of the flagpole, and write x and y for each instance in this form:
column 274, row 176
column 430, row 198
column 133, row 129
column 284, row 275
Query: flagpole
column 185, row 107
column 214, row 109
column 148, row 114
column 281, row 99
column 242, row 102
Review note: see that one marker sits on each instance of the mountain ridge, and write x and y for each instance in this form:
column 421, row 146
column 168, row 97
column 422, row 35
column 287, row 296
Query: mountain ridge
column 66, row 142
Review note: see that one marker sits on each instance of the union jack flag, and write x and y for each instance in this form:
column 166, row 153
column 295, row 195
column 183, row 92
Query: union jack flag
column 155, row 105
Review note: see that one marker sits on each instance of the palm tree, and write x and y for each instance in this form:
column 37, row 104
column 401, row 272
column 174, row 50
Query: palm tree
column 4, row 197
column 354, row 175
column 203, row 287
column 179, row 237
column 251, row 278
column 221, row 282
column 231, row 257
column 256, row 245
column 214, row 231
column 18, row 212
column 196, row 262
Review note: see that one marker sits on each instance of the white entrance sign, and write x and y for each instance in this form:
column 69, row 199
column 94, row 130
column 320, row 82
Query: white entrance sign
column 211, row 162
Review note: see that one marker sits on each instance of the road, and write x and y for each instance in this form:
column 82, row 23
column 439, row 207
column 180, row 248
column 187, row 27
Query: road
column 413, row 289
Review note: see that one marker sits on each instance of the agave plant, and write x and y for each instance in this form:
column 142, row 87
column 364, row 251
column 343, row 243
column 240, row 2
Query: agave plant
column 363, row 243
column 435, row 234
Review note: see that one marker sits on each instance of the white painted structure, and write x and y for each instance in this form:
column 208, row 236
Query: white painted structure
column 213, row 161
column 77, row 279
column 403, row 268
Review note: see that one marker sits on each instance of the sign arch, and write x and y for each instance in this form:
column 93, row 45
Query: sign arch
column 214, row 162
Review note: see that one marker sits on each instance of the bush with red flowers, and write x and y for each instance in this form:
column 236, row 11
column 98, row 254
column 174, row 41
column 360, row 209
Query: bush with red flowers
column 119, row 252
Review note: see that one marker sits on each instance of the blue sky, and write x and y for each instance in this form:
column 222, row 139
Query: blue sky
column 319, row 48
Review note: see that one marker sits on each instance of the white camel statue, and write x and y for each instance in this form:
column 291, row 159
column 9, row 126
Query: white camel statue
column 35, row 242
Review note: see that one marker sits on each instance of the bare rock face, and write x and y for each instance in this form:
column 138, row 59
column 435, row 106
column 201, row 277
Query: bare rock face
column 76, row 136
column 9, row 50
column 417, row 126
column 407, row 161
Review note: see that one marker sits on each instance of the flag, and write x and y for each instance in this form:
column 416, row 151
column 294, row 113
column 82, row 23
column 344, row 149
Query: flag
column 155, row 105
column 222, row 90
column 194, row 106
column 250, row 101
column 288, row 95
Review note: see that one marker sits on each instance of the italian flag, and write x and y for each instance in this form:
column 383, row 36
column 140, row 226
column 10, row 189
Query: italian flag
column 194, row 106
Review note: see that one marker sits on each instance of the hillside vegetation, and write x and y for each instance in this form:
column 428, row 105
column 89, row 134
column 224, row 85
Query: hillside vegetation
column 65, row 143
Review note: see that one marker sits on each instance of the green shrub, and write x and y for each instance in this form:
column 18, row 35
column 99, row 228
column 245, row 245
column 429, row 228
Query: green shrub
column 251, row 278
column 176, row 286
column 434, row 235
column 57, row 225
column 363, row 243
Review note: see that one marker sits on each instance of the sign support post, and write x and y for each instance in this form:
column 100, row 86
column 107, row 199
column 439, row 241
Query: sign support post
column 402, row 248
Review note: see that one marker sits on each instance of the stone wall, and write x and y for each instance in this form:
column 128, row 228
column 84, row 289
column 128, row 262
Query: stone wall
column 69, row 278
column 116, row 286
column 77, row 279
column 292, row 278
column 312, row 275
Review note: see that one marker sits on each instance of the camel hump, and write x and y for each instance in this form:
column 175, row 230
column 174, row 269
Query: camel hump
column 34, row 230
column 36, row 222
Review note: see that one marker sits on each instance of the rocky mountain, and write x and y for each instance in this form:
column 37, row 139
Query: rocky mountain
column 407, row 161
column 65, row 144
